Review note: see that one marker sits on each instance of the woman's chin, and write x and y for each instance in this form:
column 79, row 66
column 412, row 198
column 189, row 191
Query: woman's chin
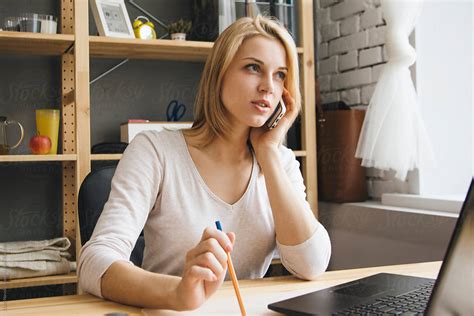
column 257, row 123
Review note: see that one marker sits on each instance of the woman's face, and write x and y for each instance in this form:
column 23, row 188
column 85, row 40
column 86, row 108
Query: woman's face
column 253, row 84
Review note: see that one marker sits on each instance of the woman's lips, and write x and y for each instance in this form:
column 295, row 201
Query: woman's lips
column 261, row 107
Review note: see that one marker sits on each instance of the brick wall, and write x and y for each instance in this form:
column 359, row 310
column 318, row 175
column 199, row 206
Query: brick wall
column 350, row 53
column 350, row 49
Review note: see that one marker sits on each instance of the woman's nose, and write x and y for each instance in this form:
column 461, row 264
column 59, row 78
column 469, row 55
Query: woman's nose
column 267, row 84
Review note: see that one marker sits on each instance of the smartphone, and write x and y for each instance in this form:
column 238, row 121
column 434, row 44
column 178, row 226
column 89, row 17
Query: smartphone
column 280, row 110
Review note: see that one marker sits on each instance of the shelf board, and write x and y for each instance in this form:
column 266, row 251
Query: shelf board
column 26, row 158
column 300, row 153
column 34, row 43
column 108, row 47
column 39, row 281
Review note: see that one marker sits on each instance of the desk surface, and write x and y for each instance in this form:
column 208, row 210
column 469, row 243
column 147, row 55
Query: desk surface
column 257, row 294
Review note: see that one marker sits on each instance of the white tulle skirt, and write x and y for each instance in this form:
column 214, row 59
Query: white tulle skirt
column 393, row 135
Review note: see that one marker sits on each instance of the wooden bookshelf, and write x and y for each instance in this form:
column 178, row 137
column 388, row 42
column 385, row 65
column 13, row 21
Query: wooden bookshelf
column 35, row 43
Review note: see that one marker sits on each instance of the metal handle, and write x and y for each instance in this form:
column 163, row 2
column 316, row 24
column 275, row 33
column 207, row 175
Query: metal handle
column 21, row 130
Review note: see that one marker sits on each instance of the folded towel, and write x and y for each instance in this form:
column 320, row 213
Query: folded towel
column 50, row 255
column 48, row 268
column 60, row 244
column 24, row 259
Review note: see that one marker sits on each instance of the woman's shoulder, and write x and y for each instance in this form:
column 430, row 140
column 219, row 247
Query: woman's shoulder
column 157, row 143
column 166, row 138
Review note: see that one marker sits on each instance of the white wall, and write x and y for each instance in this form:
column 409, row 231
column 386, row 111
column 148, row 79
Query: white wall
column 444, row 67
column 367, row 237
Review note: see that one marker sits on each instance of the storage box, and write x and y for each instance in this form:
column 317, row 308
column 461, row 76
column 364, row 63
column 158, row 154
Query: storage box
column 129, row 130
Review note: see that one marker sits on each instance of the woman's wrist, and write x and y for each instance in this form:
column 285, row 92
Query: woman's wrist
column 166, row 293
column 267, row 155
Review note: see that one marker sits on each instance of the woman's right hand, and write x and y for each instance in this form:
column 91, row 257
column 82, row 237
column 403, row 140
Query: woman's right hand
column 204, row 269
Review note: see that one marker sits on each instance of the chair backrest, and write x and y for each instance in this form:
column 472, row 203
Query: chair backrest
column 93, row 194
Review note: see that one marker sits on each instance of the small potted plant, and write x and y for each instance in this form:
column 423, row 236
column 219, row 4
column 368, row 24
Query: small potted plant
column 178, row 29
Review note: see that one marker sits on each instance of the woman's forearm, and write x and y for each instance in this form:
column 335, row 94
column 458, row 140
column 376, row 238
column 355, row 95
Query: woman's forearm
column 293, row 223
column 128, row 284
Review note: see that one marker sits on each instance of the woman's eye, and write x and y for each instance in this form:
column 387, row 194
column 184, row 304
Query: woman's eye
column 281, row 75
column 252, row 67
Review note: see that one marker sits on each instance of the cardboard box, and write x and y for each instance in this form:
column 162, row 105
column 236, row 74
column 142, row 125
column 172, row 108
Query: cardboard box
column 129, row 130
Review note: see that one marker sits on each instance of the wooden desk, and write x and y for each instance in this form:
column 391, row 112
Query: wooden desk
column 257, row 294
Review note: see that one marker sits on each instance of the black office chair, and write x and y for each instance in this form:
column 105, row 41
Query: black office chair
column 93, row 194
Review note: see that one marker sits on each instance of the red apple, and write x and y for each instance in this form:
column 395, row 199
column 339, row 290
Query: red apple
column 40, row 145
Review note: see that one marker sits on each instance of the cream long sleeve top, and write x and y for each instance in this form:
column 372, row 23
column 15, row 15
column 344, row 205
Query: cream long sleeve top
column 157, row 188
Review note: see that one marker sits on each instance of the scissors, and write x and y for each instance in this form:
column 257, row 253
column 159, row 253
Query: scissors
column 175, row 111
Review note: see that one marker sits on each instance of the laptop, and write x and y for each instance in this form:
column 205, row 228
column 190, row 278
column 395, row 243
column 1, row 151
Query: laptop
column 452, row 293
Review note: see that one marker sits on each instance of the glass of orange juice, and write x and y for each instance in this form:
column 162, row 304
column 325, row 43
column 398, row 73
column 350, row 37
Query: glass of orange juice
column 47, row 124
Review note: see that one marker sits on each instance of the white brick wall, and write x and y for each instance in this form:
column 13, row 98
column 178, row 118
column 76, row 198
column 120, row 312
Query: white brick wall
column 348, row 61
column 371, row 17
column 322, row 50
column 370, row 56
column 350, row 56
column 322, row 17
column 324, row 83
column 366, row 93
column 330, row 31
column 347, row 8
column 351, row 96
column 329, row 97
column 377, row 36
column 347, row 43
column 350, row 49
column 350, row 79
column 327, row 3
column 350, row 25
column 376, row 70
column 328, row 66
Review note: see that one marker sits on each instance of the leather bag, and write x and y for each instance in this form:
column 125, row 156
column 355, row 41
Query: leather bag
column 341, row 178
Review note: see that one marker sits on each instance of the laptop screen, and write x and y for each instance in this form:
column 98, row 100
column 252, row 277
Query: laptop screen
column 453, row 292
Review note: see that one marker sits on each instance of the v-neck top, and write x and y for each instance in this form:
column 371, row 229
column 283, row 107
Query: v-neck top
column 199, row 178
column 158, row 189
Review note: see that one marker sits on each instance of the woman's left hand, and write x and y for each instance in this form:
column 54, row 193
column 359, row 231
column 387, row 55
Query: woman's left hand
column 264, row 139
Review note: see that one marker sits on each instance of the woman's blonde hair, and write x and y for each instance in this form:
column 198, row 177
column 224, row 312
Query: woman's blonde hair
column 210, row 118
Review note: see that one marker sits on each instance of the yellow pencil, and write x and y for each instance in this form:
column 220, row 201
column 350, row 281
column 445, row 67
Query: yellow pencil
column 233, row 277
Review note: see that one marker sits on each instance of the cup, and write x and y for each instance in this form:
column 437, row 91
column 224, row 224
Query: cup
column 11, row 24
column 4, row 145
column 47, row 124
column 30, row 22
column 49, row 24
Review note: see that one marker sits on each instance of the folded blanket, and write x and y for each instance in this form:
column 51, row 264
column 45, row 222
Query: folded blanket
column 50, row 255
column 48, row 268
column 24, row 259
column 60, row 244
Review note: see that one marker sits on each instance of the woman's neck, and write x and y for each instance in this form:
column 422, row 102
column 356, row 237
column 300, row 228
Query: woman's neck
column 233, row 148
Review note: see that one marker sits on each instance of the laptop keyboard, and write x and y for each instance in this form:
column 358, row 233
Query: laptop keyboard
column 411, row 303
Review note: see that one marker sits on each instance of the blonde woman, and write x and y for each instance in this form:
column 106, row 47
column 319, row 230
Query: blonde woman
column 230, row 167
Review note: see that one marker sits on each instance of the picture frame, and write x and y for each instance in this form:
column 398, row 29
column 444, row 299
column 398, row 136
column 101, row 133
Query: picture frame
column 111, row 18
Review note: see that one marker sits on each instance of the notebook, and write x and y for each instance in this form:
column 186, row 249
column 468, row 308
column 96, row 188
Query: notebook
column 452, row 293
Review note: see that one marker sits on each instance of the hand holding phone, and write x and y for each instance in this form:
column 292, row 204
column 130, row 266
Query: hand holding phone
column 280, row 110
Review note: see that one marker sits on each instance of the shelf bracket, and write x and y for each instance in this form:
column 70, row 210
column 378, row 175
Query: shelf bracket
column 109, row 71
column 69, row 49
